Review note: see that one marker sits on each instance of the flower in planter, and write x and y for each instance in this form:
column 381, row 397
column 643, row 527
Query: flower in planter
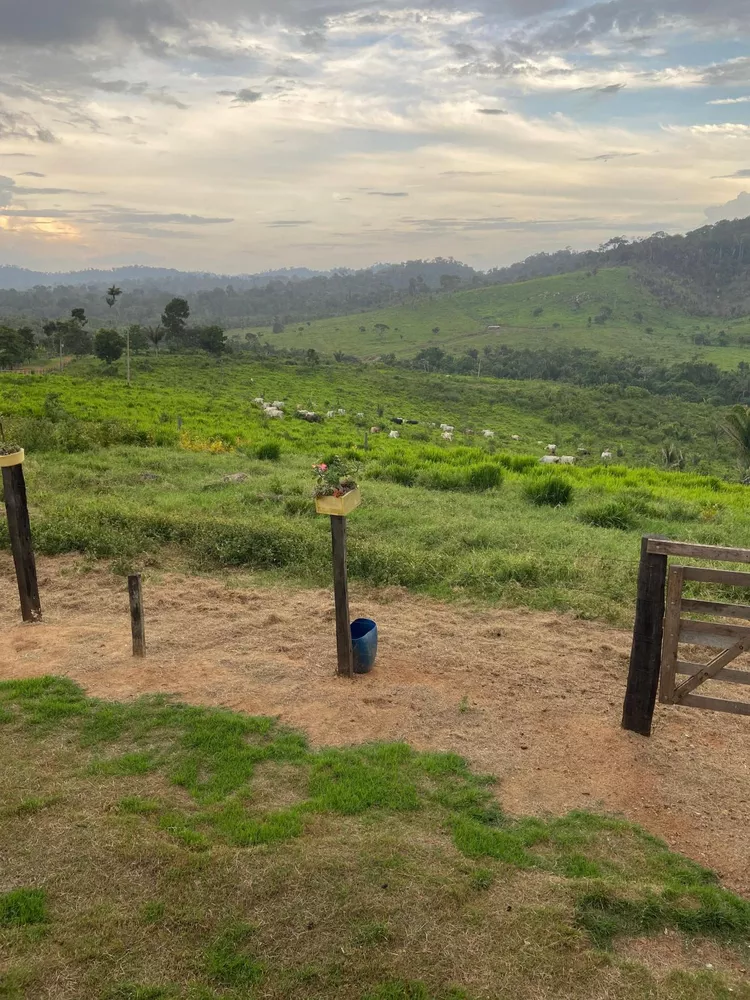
column 333, row 478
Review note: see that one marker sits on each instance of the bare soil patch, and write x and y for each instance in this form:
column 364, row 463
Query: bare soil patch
column 534, row 698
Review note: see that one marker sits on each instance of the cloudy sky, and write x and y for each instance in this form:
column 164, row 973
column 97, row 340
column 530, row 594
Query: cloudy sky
column 240, row 135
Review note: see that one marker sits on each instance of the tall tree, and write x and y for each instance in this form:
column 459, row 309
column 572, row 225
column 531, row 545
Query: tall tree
column 156, row 334
column 737, row 427
column 108, row 345
column 175, row 317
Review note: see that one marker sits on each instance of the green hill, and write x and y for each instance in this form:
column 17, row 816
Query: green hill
column 607, row 310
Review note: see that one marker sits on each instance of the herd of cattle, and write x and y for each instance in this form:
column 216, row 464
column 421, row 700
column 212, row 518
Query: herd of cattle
column 275, row 410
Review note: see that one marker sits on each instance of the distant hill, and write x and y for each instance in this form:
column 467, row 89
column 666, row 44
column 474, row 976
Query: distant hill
column 705, row 272
column 609, row 310
column 137, row 276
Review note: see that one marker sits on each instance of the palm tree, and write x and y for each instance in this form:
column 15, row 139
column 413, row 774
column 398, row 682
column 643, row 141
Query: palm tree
column 156, row 334
column 737, row 426
column 113, row 293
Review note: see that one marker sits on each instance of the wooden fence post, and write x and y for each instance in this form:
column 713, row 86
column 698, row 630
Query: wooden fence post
column 645, row 654
column 19, row 529
column 341, row 596
column 136, row 615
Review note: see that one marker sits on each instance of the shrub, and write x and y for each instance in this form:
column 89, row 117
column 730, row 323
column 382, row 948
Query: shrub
column 269, row 451
column 550, row 491
column 612, row 514
column 483, row 476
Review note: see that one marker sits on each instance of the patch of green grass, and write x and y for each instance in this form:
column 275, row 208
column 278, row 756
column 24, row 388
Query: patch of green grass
column 227, row 960
column 153, row 911
column 482, row 878
column 21, row 907
column 612, row 514
column 403, row 989
column 372, row 932
column 269, row 451
column 138, row 806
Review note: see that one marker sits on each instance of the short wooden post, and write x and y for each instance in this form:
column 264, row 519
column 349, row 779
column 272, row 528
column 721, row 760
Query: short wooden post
column 136, row 615
column 19, row 529
column 645, row 655
column 367, row 442
column 341, row 596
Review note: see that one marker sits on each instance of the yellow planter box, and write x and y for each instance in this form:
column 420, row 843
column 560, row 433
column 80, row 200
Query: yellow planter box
column 339, row 506
column 6, row 461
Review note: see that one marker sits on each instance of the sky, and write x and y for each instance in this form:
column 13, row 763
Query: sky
column 236, row 136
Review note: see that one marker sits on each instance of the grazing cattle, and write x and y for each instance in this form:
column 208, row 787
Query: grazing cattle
column 374, row 430
column 550, row 460
column 583, row 451
column 279, row 405
column 447, row 436
column 310, row 416
column 341, row 413
column 274, row 412
column 488, row 434
column 331, row 413
column 412, row 423
column 360, row 415
column 447, row 427
column 393, row 434
column 606, row 455
column 259, row 400
column 567, row 460
column 551, row 449
column 515, row 437
column 397, row 420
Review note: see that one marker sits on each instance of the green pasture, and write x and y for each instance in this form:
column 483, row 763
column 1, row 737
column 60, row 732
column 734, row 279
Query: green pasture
column 540, row 313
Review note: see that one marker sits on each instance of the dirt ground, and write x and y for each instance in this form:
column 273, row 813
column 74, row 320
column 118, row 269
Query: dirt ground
column 534, row 698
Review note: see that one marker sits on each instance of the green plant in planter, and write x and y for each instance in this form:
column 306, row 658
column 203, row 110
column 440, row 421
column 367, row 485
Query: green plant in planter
column 6, row 447
column 334, row 478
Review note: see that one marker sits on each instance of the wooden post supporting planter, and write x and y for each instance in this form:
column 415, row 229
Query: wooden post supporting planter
column 19, row 529
column 341, row 597
column 645, row 655
column 137, row 623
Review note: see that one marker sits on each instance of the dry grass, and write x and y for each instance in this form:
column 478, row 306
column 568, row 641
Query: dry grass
column 359, row 907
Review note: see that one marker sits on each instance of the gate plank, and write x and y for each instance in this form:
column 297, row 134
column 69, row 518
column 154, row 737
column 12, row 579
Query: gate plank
column 716, row 704
column 717, row 608
column 720, row 553
column 714, row 634
column 733, row 578
column 726, row 676
column 710, row 670
column 671, row 634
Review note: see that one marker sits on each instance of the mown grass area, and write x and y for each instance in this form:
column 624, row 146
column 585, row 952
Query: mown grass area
column 540, row 313
column 157, row 850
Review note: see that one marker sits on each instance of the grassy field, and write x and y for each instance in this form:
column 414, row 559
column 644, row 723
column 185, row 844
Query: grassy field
column 156, row 851
column 541, row 313
column 110, row 475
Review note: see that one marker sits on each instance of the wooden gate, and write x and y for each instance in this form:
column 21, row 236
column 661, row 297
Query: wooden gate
column 660, row 628
column 732, row 640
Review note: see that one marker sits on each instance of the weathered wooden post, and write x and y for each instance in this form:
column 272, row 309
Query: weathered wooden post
column 137, row 623
column 338, row 507
column 645, row 654
column 19, row 529
column 341, row 598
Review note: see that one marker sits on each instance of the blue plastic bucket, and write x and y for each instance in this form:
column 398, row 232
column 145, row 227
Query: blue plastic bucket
column 364, row 644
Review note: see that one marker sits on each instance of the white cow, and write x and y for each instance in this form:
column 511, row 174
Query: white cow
column 259, row 400
column 515, row 437
column 567, row 460
column 551, row 449
column 446, row 427
column 447, row 436
column 274, row 412
column 359, row 416
column 342, row 413
column 606, row 455
column 278, row 404
column 549, row 460
column 331, row 413
column 374, row 430
column 393, row 434
column 488, row 434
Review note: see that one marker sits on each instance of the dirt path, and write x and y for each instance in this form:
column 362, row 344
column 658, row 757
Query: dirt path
column 533, row 698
